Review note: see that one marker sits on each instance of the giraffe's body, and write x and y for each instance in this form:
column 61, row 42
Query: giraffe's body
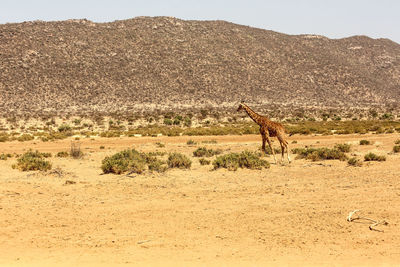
column 268, row 129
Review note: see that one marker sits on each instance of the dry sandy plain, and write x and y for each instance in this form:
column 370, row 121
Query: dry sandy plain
column 283, row 216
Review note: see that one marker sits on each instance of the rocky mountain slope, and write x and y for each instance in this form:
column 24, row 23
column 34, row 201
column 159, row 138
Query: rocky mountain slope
column 161, row 63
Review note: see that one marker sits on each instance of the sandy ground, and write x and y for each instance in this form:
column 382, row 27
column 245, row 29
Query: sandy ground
column 286, row 215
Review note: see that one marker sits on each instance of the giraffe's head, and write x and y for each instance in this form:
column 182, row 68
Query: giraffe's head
column 240, row 106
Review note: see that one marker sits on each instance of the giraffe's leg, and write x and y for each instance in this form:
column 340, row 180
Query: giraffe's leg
column 263, row 143
column 270, row 146
column 282, row 150
column 287, row 152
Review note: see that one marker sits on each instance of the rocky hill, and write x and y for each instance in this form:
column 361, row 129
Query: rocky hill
column 162, row 63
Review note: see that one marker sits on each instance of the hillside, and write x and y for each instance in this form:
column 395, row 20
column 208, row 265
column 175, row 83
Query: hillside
column 162, row 63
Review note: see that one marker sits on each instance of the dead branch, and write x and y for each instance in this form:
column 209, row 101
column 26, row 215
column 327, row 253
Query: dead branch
column 375, row 223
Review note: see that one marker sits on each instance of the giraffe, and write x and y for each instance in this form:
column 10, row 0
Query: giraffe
column 268, row 129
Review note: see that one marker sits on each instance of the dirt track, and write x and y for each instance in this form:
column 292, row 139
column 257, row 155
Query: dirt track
column 287, row 215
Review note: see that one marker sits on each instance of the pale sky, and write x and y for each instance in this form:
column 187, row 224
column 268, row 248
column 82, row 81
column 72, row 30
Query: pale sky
column 334, row 19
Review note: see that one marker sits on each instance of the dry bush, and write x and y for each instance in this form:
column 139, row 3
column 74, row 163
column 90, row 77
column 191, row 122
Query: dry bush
column 75, row 150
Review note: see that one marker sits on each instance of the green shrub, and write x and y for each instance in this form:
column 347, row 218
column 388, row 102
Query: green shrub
column 102, row 147
column 32, row 161
column 343, row 147
column 396, row 149
column 62, row 154
column 178, row 160
column 354, row 162
column 245, row 159
column 204, row 161
column 204, row 152
column 316, row 154
column 126, row 160
column 364, row 142
column 397, row 142
column 373, row 157
column 133, row 161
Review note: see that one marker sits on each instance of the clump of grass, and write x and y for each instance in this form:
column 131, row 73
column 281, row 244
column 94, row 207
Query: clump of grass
column 373, row 157
column 397, row 142
column 204, row 152
column 178, row 160
column 5, row 156
column 62, row 154
column 317, row 154
column 343, row 147
column 32, row 161
column 365, row 142
column 159, row 144
column 102, row 147
column 204, row 161
column 245, row 159
column 191, row 142
column 354, row 162
column 396, row 149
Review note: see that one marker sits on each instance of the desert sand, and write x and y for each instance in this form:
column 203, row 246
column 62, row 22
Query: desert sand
column 290, row 214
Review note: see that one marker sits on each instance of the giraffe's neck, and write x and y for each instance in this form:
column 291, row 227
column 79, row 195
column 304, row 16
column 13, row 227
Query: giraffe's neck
column 253, row 115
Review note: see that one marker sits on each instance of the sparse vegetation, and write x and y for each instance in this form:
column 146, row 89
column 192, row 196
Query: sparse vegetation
column 373, row 157
column 396, row 149
column 33, row 161
column 245, row 159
